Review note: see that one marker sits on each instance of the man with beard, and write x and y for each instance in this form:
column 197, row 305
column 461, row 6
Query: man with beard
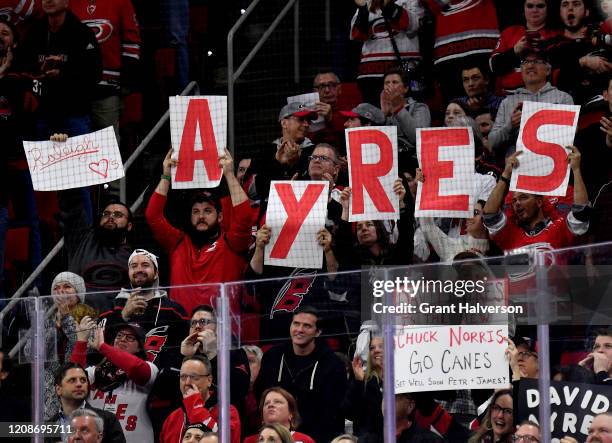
column 72, row 389
column 99, row 253
column 530, row 225
column 163, row 320
column 205, row 252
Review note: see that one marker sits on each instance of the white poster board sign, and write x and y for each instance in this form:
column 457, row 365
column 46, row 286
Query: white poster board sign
column 198, row 131
column 85, row 160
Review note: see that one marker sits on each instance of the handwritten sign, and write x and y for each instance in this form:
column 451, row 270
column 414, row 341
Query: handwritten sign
column 572, row 406
column 546, row 129
column 441, row 358
column 85, row 160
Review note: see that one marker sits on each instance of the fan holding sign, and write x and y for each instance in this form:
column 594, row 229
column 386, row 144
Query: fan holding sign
column 205, row 252
column 372, row 238
column 530, row 225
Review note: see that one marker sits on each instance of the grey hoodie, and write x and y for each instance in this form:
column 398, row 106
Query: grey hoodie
column 503, row 135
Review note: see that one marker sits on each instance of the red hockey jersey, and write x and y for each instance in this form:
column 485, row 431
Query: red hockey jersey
column 463, row 28
column 116, row 28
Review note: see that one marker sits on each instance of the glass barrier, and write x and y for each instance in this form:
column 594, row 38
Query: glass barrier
column 437, row 335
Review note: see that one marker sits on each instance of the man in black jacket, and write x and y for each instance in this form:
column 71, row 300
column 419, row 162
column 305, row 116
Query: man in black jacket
column 311, row 372
column 72, row 389
column 97, row 253
column 63, row 58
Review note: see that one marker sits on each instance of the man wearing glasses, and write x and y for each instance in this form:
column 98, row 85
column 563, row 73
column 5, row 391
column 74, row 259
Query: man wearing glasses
column 535, row 69
column 97, row 253
column 327, row 84
column 527, row 432
column 199, row 403
column 202, row 340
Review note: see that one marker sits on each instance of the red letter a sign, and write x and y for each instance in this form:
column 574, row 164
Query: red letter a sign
column 198, row 132
column 372, row 159
column 446, row 156
column 546, row 129
column 296, row 212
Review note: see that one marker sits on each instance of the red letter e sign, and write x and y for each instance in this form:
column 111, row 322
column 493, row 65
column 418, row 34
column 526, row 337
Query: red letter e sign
column 546, row 129
column 198, row 133
column 372, row 162
column 446, row 156
column 296, row 211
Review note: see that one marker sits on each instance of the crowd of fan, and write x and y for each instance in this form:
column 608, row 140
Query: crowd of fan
column 139, row 363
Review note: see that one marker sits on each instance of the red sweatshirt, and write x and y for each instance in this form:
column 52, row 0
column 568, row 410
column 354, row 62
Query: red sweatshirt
column 196, row 412
column 221, row 261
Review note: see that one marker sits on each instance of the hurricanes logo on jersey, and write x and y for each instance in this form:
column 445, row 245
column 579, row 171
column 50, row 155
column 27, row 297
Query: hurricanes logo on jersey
column 293, row 291
column 102, row 28
column 156, row 339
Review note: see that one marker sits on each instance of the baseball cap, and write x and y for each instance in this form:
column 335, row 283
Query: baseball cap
column 296, row 109
column 367, row 111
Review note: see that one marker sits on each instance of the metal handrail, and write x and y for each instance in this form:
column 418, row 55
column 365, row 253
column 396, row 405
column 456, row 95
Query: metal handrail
column 145, row 142
column 232, row 76
column 192, row 86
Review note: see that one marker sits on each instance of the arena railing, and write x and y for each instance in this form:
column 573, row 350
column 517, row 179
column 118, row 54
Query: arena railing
column 192, row 87
column 561, row 291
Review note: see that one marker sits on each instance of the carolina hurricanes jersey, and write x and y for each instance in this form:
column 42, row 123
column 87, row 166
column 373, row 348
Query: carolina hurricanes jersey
column 463, row 28
column 377, row 54
column 116, row 28
column 15, row 11
column 556, row 233
column 129, row 403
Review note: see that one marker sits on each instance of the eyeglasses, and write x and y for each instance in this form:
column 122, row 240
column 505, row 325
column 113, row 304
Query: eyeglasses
column 537, row 5
column 526, row 354
column 202, row 322
column 114, row 214
column 329, row 85
column 193, row 377
column 300, row 119
column 525, row 438
column 128, row 337
column 322, row 158
column 497, row 409
column 536, row 61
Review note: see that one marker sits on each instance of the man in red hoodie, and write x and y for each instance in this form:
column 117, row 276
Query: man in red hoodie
column 205, row 252
column 199, row 403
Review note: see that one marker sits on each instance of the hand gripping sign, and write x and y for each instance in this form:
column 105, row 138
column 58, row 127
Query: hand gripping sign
column 85, row 160
column 446, row 156
column 372, row 165
column 546, row 129
column 198, row 127
column 296, row 212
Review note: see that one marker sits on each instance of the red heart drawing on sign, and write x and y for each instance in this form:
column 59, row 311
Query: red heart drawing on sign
column 100, row 167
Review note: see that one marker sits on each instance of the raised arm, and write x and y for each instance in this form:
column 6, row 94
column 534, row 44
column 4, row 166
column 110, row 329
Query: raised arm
column 496, row 199
column 226, row 162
